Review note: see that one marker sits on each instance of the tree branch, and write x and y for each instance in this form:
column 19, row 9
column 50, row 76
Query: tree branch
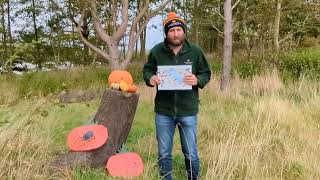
column 89, row 44
column 220, row 33
column 133, row 31
column 135, row 35
column 291, row 34
column 97, row 26
column 218, row 13
column 114, row 16
column 119, row 34
column 235, row 4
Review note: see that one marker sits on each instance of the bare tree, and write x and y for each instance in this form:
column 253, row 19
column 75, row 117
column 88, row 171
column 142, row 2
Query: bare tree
column 34, row 20
column 277, row 26
column 9, row 27
column 112, row 54
column 4, row 33
column 195, row 23
column 227, row 53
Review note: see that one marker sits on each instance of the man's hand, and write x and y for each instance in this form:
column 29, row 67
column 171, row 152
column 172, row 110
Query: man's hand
column 190, row 79
column 154, row 80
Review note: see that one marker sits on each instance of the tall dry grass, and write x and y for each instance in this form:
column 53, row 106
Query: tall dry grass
column 24, row 145
column 261, row 129
column 258, row 129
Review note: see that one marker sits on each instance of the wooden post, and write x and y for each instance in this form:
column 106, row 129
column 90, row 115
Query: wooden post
column 116, row 112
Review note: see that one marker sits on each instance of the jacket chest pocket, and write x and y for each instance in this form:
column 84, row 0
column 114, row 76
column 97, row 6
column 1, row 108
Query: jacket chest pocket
column 189, row 60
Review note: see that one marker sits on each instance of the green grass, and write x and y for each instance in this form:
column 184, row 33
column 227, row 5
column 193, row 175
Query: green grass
column 68, row 116
column 304, row 62
column 260, row 128
column 143, row 118
column 15, row 87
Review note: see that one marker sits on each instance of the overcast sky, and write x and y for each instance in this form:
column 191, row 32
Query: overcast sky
column 154, row 36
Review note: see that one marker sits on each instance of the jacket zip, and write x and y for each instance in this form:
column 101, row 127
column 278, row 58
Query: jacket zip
column 175, row 92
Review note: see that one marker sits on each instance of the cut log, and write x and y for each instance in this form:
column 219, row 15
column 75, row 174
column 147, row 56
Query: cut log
column 116, row 112
column 78, row 96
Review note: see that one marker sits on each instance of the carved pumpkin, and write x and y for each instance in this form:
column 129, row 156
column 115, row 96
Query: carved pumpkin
column 117, row 75
column 133, row 88
column 115, row 86
column 124, row 86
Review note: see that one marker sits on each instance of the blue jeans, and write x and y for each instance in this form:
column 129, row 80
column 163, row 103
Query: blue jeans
column 165, row 128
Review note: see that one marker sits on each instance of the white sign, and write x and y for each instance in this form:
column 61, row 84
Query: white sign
column 171, row 77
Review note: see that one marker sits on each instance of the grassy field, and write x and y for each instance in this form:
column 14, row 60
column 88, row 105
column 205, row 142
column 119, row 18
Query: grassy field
column 259, row 129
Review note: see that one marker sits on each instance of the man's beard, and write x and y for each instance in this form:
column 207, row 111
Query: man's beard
column 176, row 41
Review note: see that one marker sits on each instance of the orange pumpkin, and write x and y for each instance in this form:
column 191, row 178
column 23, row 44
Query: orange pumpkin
column 133, row 88
column 117, row 75
column 115, row 86
column 124, row 86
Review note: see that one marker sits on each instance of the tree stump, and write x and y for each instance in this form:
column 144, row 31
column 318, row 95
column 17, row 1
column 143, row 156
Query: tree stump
column 116, row 112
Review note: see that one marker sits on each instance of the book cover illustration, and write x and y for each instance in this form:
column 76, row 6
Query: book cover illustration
column 171, row 77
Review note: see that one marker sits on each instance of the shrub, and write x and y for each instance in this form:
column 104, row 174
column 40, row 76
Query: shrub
column 306, row 63
column 248, row 68
column 44, row 83
column 55, row 81
column 310, row 42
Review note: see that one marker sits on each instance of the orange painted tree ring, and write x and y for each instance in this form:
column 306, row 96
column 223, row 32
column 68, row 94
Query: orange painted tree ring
column 86, row 138
column 125, row 165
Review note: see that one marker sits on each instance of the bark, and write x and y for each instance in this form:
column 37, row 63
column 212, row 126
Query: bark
column 143, row 44
column 34, row 20
column 9, row 28
column 246, row 39
column 227, row 55
column 116, row 112
column 277, row 26
column 195, row 23
column 112, row 54
column 4, row 34
column 85, row 33
column 71, row 14
column 138, row 10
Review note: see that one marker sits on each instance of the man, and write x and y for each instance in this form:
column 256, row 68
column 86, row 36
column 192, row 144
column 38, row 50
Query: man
column 177, row 107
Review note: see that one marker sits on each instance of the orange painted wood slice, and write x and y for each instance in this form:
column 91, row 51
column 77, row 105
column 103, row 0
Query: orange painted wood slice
column 125, row 165
column 86, row 138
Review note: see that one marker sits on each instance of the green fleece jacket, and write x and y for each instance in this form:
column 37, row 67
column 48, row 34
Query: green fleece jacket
column 177, row 102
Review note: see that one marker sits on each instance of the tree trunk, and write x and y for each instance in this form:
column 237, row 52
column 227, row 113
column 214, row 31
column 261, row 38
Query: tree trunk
column 34, row 20
column 246, row 39
column 138, row 10
column 37, row 54
column 116, row 112
column 124, row 46
column 227, row 55
column 112, row 55
column 85, row 33
column 71, row 14
column 277, row 26
column 195, row 23
column 143, row 43
column 9, row 28
column 115, row 57
column 4, row 35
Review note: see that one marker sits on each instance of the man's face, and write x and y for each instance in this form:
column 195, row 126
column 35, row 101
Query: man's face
column 175, row 36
